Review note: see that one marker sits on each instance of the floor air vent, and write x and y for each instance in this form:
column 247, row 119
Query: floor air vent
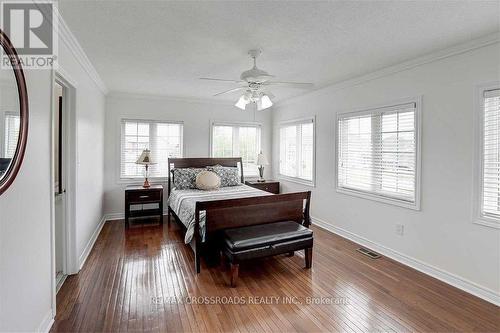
column 368, row 253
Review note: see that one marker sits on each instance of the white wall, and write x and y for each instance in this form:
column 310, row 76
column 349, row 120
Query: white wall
column 26, row 276
column 25, row 252
column 196, row 116
column 442, row 233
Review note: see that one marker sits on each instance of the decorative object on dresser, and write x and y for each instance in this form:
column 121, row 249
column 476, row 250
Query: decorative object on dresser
column 261, row 161
column 270, row 186
column 265, row 240
column 138, row 195
column 145, row 159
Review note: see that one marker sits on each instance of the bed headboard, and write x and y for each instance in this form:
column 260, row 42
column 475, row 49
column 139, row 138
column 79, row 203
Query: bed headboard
column 201, row 162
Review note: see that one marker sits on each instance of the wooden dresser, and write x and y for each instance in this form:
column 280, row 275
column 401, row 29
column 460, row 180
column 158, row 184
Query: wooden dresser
column 138, row 195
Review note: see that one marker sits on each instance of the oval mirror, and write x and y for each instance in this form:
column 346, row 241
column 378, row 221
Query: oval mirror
column 13, row 113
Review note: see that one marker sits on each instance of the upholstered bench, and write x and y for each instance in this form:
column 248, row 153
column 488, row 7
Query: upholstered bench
column 265, row 240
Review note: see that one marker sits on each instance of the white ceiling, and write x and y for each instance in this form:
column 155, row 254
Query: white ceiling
column 163, row 47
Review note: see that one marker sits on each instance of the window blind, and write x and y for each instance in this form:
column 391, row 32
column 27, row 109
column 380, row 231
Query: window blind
column 377, row 152
column 491, row 154
column 164, row 139
column 297, row 150
column 237, row 140
column 12, row 122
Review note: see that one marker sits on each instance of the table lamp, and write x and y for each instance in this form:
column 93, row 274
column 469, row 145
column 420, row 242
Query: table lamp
column 145, row 159
column 261, row 161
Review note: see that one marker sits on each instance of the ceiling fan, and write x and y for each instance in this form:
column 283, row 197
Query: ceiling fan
column 254, row 83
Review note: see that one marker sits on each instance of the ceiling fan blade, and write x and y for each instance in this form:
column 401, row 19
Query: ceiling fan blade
column 231, row 90
column 221, row 80
column 303, row 85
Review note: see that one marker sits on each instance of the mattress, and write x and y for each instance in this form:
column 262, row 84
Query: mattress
column 183, row 202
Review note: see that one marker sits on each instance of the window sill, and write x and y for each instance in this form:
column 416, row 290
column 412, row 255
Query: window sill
column 139, row 181
column 297, row 180
column 378, row 198
column 492, row 223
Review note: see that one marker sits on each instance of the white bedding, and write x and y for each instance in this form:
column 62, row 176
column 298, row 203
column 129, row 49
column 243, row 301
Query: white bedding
column 183, row 202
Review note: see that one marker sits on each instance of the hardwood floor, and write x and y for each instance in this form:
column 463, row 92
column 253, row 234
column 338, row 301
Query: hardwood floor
column 143, row 279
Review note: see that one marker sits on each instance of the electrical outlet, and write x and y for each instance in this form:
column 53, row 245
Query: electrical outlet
column 400, row 229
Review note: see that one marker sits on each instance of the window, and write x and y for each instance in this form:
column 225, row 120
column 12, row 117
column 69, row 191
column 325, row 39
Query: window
column 297, row 151
column 489, row 158
column 164, row 139
column 237, row 140
column 377, row 154
column 12, row 122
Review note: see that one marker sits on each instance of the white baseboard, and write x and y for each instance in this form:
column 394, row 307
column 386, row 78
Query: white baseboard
column 114, row 216
column 90, row 244
column 121, row 216
column 46, row 323
column 449, row 278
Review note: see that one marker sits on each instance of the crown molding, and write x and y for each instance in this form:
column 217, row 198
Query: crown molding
column 74, row 46
column 125, row 94
column 404, row 66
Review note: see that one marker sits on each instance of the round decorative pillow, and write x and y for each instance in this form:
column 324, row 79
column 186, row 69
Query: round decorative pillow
column 207, row 180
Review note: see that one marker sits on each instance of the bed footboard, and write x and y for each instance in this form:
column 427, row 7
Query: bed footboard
column 233, row 213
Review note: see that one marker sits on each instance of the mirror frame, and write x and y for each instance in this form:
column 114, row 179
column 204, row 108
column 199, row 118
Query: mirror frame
column 17, row 160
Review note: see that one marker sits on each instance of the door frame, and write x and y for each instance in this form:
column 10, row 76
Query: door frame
column 69, row 165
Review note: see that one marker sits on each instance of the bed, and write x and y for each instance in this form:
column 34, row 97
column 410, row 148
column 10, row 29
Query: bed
column 204, row 214
column 183, row 204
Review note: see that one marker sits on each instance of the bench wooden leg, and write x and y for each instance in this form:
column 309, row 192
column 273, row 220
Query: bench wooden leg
column 308, row 256
column 234, row 274
column 197, row 263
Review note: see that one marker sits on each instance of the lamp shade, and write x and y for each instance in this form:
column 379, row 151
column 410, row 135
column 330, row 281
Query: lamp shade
column 242, row 102
column 265, row 102
column 145, row 158
column 262, row 160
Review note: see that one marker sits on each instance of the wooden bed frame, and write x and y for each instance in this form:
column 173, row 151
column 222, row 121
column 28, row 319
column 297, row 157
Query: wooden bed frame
column 233, row 213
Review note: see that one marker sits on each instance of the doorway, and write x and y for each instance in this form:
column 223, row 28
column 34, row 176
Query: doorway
column 64, row 260
column 59, row 185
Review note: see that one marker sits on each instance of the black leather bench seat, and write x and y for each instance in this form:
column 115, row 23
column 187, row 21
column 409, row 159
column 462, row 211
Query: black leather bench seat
column 266, row 240
column 265, row 235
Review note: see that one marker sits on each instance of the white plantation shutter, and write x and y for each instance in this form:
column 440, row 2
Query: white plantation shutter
column 237, row 140
column 12, row 122
column 491, row 155
column 164, row 139
column 377, row 152
column 297, row 150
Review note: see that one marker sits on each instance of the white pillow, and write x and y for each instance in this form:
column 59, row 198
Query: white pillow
column 207, row 180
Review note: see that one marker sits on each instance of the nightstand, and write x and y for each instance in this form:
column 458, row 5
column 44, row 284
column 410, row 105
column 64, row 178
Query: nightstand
column 138, row 195
column 267, row 185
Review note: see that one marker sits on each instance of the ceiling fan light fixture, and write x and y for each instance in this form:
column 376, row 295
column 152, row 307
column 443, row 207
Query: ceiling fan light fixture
column 256, row 81
column 265, row 102
column 242, row 102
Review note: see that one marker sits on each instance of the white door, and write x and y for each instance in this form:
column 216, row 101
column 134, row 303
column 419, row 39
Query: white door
column 59, row 186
